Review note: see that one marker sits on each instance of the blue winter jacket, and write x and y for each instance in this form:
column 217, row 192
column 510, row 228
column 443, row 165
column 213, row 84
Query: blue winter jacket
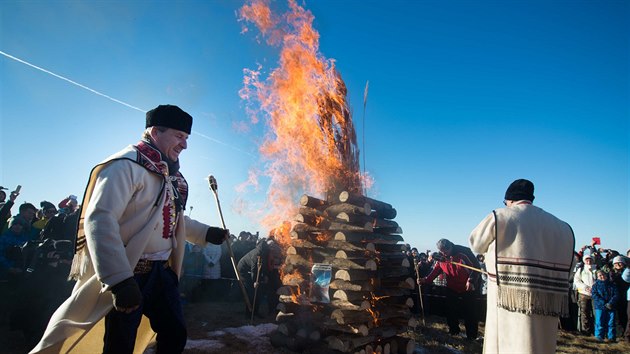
column 604, row 292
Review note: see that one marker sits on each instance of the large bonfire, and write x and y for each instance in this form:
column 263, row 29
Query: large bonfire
column 339, row 239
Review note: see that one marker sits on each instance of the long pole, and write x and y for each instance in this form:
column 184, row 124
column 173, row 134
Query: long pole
column 259, row 264
column 214, row 187
column 469, row 267
column 420, row 295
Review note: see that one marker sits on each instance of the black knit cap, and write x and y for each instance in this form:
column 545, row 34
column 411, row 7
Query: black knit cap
column 169, row 116
column 521, row 189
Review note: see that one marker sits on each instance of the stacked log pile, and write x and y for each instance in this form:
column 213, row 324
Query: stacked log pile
column 370, row 290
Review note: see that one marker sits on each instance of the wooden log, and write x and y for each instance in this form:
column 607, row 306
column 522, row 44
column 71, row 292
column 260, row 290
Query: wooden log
column 284, row 316
column 351, row 316
column 338, row 226
column 384, row 210
column 341, row 263
column 403, row 321
column 361, row 219
column 314, row 253
column 301, row 299
column 367, row 237
column 405, row 345
column 347, row 343
column 290, row 307
column 404, row 282
column 287, row 290
column 294, row 275
column 344, row 246
column 318, row 222
column 388, row 230
column 394, row 301
column 393, row 262
column 302, row 227
column 313, row 202
column 389, row 272
column 339, row 284
column 333, row 210
column 303, row 243
column 358, row 329
column 362, row 253
column 347, row 305
column 354, row 274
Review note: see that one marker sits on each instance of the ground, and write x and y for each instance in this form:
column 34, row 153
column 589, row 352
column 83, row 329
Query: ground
column 222, row 327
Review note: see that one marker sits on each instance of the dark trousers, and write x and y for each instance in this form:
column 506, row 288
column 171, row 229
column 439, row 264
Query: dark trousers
column 161, row 304
column 627, row 334
column 586, row 313
column 464, row 304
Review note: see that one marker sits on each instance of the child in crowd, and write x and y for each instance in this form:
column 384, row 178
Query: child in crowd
column 605, row 297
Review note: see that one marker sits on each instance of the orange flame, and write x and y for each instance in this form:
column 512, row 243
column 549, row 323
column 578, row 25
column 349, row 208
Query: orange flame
column 311, row 143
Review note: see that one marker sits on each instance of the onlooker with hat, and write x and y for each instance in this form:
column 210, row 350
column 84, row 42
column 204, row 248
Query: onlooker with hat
column 48, row 211
column 462, row 285
column 605, row 296
column 26, row 213
column 130, row 246
column 583, row 279
column 529, row 256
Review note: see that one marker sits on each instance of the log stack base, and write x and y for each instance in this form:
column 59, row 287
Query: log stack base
column 370, row 301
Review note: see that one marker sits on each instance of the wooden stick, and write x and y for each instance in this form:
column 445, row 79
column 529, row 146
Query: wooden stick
column 213, row 187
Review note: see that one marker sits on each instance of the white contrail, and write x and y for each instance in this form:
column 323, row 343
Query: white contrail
column 70, row 81
column 222, row 143
column 111, row 98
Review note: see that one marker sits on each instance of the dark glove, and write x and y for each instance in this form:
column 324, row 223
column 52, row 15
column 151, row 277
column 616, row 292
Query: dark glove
column 126, row 294
column 217, row 235
column 609, row 306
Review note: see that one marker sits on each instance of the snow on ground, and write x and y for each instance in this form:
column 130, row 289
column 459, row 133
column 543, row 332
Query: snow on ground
column 256, row 336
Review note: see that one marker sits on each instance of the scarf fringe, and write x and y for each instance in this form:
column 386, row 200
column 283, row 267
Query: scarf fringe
column 80, row 263
column 533, row 302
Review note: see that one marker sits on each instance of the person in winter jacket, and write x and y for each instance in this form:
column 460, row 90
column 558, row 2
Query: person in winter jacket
column 583, row 281
column 605, row 296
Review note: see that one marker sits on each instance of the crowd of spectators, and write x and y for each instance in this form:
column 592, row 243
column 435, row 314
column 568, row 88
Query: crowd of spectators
column 599, row 290
column 36, row 250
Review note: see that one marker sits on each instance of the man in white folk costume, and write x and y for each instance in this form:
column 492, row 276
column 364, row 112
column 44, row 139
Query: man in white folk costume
column 129, row 249
column 529, row 256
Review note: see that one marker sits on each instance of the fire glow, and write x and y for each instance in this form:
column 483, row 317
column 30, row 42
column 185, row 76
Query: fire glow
column 311, row 142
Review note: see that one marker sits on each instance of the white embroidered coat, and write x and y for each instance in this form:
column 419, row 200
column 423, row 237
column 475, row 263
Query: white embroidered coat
column 126, row 214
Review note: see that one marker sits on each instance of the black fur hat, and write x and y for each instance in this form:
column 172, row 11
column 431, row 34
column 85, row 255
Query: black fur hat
column 169, row 116
column 521, row 189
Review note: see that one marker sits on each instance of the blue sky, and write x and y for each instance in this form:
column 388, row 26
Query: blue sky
column 464, row 97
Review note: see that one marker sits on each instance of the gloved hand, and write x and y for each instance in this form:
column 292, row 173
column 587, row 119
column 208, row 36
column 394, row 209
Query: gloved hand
column 127, row 295
column 609, row 306
column 217, row 235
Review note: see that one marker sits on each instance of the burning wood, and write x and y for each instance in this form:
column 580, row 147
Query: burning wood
column 371, row 283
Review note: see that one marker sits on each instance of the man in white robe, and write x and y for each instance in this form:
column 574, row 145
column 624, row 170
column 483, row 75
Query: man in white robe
column 529, row 255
